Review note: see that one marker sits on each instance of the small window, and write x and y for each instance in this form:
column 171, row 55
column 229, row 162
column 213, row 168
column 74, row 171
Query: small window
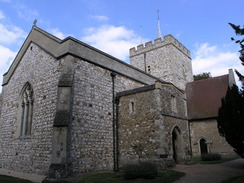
column 26, row 105
column 173, row 103
column 132, row 107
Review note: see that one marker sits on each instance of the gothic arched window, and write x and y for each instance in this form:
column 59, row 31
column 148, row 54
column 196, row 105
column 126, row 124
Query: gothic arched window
column 26, row 105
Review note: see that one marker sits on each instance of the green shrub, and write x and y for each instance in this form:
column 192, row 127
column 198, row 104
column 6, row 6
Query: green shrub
column 148, row 170
column 144, row 170
column 131, row 171
column 211, row 157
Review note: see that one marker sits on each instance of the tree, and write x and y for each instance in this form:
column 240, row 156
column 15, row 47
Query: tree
column 230, row 119
column 239, row 32
column 203, row 75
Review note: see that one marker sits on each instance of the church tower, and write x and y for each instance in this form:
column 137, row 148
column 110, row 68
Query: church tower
column 166, row 59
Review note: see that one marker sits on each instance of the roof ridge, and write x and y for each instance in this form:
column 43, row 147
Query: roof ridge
column 199, row 80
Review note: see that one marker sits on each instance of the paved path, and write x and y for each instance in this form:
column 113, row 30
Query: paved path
column 31, row 177
column 215, row 173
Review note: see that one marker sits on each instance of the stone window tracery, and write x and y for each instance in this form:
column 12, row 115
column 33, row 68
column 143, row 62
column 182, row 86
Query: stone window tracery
column 26, row 104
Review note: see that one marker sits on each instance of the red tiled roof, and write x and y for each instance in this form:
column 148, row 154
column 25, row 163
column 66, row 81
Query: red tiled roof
column 204, row 97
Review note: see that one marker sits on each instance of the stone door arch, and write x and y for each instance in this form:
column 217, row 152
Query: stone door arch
column 177, row 144
column 203, row 146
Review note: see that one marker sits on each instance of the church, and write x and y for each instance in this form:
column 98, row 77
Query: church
column 67, row 108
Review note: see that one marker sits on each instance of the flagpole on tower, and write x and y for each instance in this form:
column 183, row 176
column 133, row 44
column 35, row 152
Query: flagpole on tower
column 159, row 29
column 141, row 33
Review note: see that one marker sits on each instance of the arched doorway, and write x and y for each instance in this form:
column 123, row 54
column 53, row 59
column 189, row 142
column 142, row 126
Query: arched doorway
column 203, row 146
column 174, row 139
column 177, row 144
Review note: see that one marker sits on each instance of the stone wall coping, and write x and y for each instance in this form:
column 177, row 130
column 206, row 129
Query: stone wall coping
column 136, row 90
column 159, row 84
column 70, row 46
column 175, row 115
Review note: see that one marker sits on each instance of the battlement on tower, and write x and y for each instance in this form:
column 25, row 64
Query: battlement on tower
column 168, row 39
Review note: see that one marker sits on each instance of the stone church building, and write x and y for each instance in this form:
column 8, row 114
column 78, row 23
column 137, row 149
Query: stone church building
column 68, row 108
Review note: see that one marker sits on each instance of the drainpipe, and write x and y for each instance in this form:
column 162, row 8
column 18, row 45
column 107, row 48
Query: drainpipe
column 117, row 133
column 113, row 75
column 189, row 129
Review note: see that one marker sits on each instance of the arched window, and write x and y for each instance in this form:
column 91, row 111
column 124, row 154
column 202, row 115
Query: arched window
column 26, row 111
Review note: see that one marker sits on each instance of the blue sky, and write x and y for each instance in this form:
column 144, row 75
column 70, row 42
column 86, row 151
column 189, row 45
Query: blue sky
column 114, row 27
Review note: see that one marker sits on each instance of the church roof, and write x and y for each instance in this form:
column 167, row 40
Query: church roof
column 70, row 46
column 204, row 97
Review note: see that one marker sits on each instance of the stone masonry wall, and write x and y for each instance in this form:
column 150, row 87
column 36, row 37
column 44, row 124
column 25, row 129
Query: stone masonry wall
column 173, row 108
column 182, row 124
column 142, row 120
column 91, row 147
column 173, row 101
column 166, row 59
column 137, row 125
column 30, row 154
column 208, row 130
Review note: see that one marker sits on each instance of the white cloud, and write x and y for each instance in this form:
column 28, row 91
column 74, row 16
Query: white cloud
column 26, row 13
column 113, row 40
column 1, row 15
column 100, row 18
column 10, row 37
column 214, row 60
column 58, row 33
column 10, row 34
column 204, row 50
column 6, row 58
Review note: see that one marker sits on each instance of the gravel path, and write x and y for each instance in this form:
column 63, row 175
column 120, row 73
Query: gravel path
column 215, row 173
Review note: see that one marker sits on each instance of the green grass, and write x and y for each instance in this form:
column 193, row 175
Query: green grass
column 8, row 179
column 224, row 159
column 165, row 177
column 238, row 179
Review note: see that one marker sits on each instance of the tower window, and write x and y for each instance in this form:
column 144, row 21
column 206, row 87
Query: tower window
column 148, row 69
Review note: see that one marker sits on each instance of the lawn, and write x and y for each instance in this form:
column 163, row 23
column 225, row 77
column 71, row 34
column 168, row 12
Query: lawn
column 238, row 179
column 8, row 179
column 224, row 159
column 165, row 177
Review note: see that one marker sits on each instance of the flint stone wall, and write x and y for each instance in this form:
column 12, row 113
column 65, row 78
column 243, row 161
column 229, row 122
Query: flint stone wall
column 1, row 100
column 90, row 130
column 30, row 154
column 91, row 147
